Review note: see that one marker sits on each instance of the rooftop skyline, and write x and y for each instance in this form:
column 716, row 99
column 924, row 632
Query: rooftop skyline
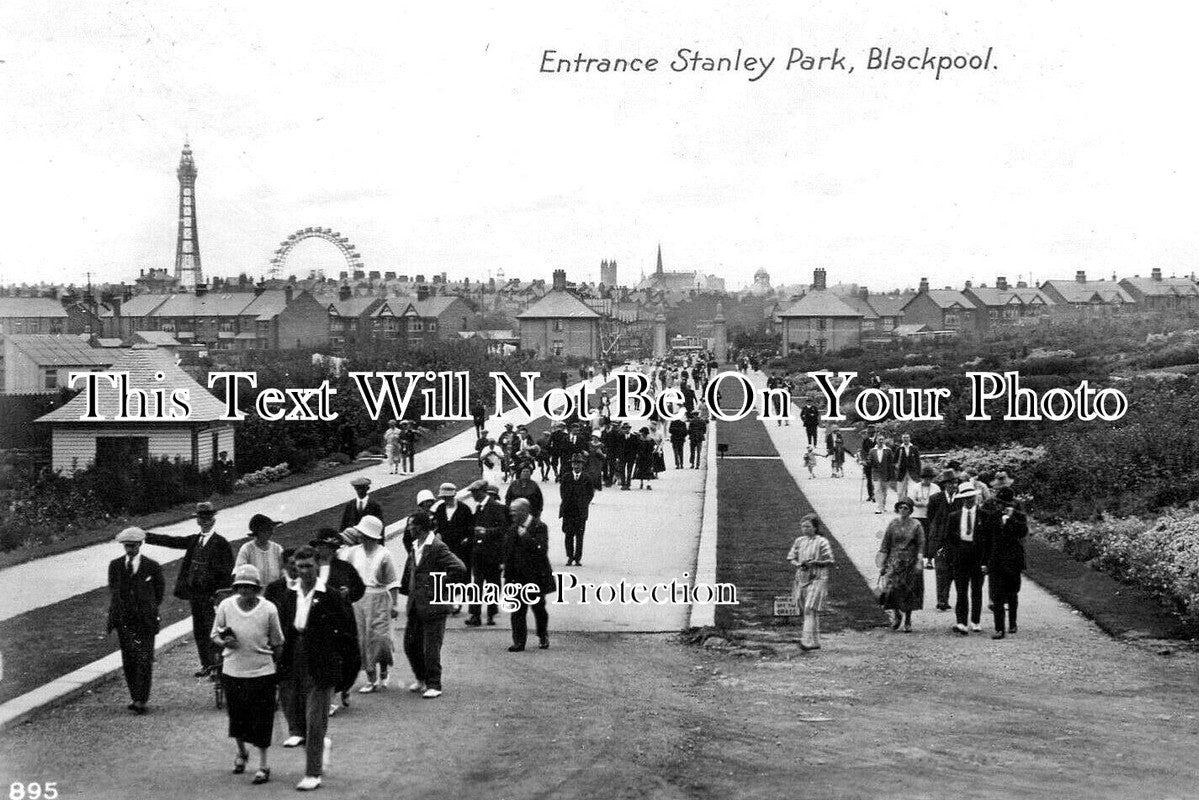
column 432, row 142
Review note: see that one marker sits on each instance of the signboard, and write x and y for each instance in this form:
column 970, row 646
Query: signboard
column 784, row 606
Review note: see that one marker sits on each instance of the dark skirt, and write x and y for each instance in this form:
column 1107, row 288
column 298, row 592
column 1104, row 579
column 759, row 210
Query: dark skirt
column 251, row 705
column 904, row 585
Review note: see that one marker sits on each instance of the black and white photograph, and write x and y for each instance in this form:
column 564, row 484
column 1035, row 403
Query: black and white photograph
column 637, row 400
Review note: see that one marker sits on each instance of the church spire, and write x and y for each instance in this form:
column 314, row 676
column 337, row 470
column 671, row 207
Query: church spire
column 659, row 258
column 187, row 245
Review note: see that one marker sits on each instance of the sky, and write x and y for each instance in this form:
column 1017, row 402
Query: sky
column 427, row 135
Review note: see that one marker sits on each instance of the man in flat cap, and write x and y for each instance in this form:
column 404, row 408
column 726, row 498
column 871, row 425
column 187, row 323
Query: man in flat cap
column 490, row 523
column 576, row 493
column 207, row 568
column 361, row 506
column 425, row 630
column 135, row 589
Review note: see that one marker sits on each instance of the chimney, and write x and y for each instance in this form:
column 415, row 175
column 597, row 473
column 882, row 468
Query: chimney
column 864, row 293
column 924, row 284
column 389, row 276
column 287, row 294
column 1001, row 283
column 116, row 306
column 1156, row 274
column 1080, row 276
column 259, row 288
column 201, row 289
column 373, row 275
column 359, row 274
column 559, row 280
column 819, row 279
column 1021, row 284
column 968, row 284
column 344, row 292
column 420, row 278
column 422, row 293
column 343, row 276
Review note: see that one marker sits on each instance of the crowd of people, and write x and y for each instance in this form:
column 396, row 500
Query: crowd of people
column 948, row 520
column 296, row 628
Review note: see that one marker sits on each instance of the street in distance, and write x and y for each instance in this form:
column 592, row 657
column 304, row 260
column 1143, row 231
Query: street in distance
column 756, row 66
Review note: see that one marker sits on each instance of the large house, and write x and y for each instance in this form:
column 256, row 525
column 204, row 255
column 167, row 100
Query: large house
column 41, row 363
column 265, row 319
column 1156, row 293
column 33, row 315
column 198, row 438
column 943, row 310
column 1002, row 305
column 560, row 324
column 821, row 320
column 1088, row 298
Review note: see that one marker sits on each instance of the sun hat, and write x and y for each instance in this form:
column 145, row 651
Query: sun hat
column 247, row 575
column 447, row 490
column 370, row 527
column 425, row 496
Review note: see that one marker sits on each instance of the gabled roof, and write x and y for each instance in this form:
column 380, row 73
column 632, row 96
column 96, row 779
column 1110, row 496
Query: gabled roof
column 206, row 305
column 354, row 307
column 992, row 297
column 889, row 305
column 142, row 304
column 435, row 306
column 268, row 305
column 1089, row 291
column 1165, row 287
column 558, row 305
column 31, row 307
column 948, row 298
column 142, row 363
column 48, row 350
column 820, row 304
column 859, row 304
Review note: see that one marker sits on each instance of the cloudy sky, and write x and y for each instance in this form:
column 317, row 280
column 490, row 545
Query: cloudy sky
column 428, row 136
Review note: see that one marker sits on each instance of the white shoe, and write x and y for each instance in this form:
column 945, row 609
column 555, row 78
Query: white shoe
column 975, row 627
column 327, row 754
column 333, row 709
column 417, row 687
column 385, row 682
column 431, row 693
column 308, row 784
column 293, row 741
column 369, row 688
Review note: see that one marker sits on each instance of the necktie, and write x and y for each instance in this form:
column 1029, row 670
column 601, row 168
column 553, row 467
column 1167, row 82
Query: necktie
column 129, row 567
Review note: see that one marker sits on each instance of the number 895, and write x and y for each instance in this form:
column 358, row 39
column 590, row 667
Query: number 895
column 33, row 791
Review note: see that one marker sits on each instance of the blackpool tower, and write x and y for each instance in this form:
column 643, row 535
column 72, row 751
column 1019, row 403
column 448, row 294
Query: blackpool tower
column 187, row 247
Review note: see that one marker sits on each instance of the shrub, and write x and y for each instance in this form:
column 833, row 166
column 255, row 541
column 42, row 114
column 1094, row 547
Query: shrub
column 340, row 458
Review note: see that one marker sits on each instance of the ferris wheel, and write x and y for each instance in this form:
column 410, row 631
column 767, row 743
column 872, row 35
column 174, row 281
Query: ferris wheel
column 348, row 251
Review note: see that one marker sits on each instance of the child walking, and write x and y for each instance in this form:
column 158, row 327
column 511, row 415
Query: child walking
column 812, row 555
column 809, row 461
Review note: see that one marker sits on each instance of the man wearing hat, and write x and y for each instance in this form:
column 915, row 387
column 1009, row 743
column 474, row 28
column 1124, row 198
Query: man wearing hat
column 266, row 556
column 961, row 536
column 576, row 494
column 361, row 506
column 135, row 589
column 490, row 522
column 936, row 551
column 558, row 448
column 455, row 522
column 425, row 630
column 206, row 569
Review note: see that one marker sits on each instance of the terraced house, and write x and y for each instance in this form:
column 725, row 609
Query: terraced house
column 1002, row 305
column 1156, row 293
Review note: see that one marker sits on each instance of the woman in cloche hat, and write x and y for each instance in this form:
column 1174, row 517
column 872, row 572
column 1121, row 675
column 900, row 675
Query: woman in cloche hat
column 247, row 627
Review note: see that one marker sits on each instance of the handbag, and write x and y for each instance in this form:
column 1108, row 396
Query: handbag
column 659, row 461
column 884, row 589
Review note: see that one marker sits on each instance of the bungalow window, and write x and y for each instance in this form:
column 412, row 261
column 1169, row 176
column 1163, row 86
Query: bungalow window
column 227, row 326
column 558, row 346
column 56, row 326
column 821, row 324
column 167, row 327
column 557, row 326
column 951, row 319
column 432, row 325
column 1011, row 312
column 122, row 449
column 50, row 378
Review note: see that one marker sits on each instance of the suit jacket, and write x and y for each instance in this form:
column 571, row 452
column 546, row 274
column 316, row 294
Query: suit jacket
column 1001, row 542
column 908, row 464
column 134, row 600
column 213, row 564
column 678, row 430
column 576, row 495
column 809, row 416
column 350, row 513
column 526, row 558
column 417, row 580
column 493, row 519
column 953, row 525
column 343, row 576
column 330, row 639
column 456, row 530
column 882, row 464
column 697, row 429
column 939, row 506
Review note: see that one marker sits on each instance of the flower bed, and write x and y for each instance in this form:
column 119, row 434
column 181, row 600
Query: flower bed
column 264, row 475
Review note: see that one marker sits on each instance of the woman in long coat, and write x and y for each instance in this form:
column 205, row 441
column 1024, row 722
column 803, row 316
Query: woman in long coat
column 594, row 467
column 1001, row 540
column 643, row 466
column 901, row 558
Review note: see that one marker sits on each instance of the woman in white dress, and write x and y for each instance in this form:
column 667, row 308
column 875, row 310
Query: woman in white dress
column 391, row 446
column 491, row 461
column 379, row 605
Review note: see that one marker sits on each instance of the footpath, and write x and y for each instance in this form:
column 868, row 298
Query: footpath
column 52, row 610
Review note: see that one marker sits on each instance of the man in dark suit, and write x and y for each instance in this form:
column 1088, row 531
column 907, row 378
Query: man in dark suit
column 135, row 588
column 361, row 506
column 881, row 461
column 697, row 430
column 907, row 464
column 455, row 522
column 937, row 546
column 630, row 445
column 337, row 574
column 810, row 418
column 864, row 457
column 491, row 520
column 526, row 561
column 678, row 437
column 576, row 493
column 320, row 652
column 558, row 448
column 425, row 630
column 962, row 537
column 207, row 568
column 1002, row 529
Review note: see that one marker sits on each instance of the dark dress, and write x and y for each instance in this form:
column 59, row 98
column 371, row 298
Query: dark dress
column 901, row 550
column 644, row 469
